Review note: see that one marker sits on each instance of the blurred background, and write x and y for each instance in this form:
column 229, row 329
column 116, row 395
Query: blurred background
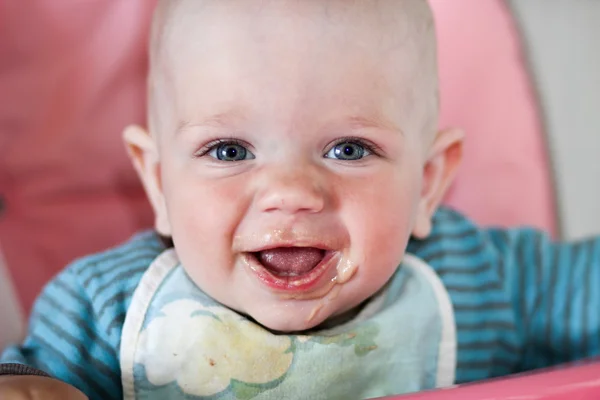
column 521, row 77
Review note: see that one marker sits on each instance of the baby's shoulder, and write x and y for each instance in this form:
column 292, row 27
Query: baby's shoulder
column 102, row 284
column 119, row 264
column 465, row 254
column 458, row 247
column 454, row 235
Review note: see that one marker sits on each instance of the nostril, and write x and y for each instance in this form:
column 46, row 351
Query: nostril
column 292, row 202
column 290, row 195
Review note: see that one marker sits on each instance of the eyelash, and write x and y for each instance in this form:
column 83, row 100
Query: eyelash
column 208, row 147
column 368, row 145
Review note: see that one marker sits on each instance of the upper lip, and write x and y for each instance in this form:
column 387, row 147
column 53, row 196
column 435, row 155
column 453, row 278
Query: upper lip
column 254, row 243
column 279, row 244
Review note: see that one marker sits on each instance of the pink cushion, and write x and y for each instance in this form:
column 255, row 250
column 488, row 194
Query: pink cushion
column 72, row 76
column 485, row 89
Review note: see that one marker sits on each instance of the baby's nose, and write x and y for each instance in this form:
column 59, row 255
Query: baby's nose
column 292, row 192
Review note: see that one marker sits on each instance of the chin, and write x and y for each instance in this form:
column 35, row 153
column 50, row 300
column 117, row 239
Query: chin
column 295, row 323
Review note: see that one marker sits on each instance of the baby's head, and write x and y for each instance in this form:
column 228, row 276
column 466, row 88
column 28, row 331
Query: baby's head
column 292, row 148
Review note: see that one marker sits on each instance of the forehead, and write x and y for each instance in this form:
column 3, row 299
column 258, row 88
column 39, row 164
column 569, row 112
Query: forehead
column 266, row 17
column 202, row 31
column 344, row 53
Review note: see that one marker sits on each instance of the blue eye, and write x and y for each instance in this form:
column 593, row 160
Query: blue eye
column 229, row 151
column 348, row 151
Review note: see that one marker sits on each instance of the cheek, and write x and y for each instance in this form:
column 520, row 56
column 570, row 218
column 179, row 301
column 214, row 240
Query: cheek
column 380, row 216
column 204, row 214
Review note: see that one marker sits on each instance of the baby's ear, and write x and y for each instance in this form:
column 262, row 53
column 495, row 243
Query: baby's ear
column 143, row 152
column 438, row 173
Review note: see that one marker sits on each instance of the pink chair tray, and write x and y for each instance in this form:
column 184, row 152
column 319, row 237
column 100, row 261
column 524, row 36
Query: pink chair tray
column 579, row 381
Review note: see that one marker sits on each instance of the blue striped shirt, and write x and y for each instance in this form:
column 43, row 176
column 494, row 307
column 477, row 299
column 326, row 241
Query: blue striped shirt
column 521, row 301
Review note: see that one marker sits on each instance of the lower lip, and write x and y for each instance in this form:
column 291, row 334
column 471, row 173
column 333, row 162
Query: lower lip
column 300, row 283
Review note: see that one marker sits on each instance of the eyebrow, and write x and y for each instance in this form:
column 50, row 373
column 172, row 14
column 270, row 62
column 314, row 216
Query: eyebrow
column 216, row 120
column 361, row 122
column 222, row 119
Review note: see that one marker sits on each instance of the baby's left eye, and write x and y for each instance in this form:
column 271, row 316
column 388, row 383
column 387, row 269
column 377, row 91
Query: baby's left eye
column 348, row 151
column 230, row 151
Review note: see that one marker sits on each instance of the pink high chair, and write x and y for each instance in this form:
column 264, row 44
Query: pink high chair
column 74, row 78
column 571, row 382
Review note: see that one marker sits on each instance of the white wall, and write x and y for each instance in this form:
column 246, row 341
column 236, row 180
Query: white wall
column 562, row 39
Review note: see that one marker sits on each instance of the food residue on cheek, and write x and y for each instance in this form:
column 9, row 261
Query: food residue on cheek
column 345, row 271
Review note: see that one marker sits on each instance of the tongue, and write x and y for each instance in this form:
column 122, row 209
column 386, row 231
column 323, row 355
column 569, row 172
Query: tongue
column 291, row 261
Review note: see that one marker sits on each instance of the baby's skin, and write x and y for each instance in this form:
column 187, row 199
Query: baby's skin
column 37, row 388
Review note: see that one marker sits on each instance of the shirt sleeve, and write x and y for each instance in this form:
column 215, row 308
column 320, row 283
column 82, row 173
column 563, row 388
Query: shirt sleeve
column 20, row 369
column 555, row 293
column 65, row 342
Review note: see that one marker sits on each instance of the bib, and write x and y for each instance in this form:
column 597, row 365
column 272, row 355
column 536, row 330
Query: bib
column 178, row 343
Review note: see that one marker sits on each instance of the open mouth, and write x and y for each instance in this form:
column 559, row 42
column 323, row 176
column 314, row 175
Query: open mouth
column 290, row 268
column 290, row 261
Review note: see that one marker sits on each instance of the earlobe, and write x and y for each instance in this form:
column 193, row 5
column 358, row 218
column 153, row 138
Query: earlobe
column 143, row 153
column 438, row 174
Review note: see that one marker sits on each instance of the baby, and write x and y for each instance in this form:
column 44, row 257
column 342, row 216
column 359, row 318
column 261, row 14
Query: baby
column 295, row 171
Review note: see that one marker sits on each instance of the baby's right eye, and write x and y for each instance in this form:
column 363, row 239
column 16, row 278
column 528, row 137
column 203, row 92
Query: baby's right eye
column 229, row 151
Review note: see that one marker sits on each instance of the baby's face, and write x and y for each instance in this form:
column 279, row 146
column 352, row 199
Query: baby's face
column 291, row 157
